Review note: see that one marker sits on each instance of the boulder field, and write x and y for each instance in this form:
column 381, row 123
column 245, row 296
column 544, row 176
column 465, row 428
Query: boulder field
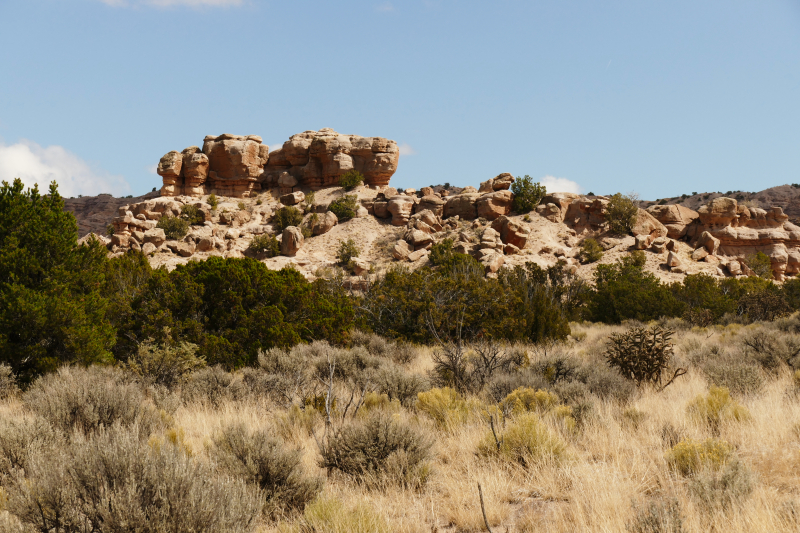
column 392, row 225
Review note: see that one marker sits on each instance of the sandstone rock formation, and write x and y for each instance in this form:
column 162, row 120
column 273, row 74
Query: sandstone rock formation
column 235, row 165
column 676, row 218
column 318, row 158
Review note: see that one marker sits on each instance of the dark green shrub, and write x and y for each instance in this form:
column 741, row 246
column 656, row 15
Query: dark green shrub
column 641, row 355
column 110, row 230
column 193, row 215
column 232, row 308
column 175, row 228
column 441, row 253
column 350, row 180
column 265, row 244
column 527, row 194
column 760, row 264
column 212, row 201
column 764, row 305
column 591, row 252
column 379, row 448
column 621, row 213
column 52, row 311
column 700, row 293
column 286, row 216
column 264, row 460
column 115, row 482
column 344, row 208
column 347, row 252
column 625, row 291
column 89, row 400
column 636, row 258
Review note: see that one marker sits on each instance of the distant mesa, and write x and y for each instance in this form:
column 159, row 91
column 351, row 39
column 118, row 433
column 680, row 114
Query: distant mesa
column 239, row 166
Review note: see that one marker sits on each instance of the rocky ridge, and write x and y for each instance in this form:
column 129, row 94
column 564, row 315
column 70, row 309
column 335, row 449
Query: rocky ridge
column 393, row 225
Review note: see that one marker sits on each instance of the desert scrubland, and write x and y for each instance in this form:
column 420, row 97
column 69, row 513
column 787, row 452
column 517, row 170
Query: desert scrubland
column 370, row 437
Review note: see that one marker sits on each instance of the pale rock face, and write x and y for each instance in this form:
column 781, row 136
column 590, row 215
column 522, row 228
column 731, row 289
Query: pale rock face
column 554, row 206
column 155, row 236
column 205, row 244
column 325, row 222
column 401, row 208
column 492, row 205
column 417, row 255
column 169, row 168
column 426, row 191
column 235, row 163
column 432, row 203
column 673, row 260
column 676, row 218
column 293, row 198
column 148, row 248
column 492, row 262
column 734, row 268
column 195, row 171
column 646, row 224
column 699, row 254
column 401, row 250
column 319, row 158
column 291, row 241
column 461, row 205
column 512, row 232
column 418, row 239
column 719, row 212
column 709, row 242
column 360, row 267
column 381, row 209
column 502, row 182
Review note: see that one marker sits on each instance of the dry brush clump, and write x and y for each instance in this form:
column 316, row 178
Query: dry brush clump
column 352, row 437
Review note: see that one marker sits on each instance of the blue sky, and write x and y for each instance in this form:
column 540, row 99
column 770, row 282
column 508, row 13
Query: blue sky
column 662, row 98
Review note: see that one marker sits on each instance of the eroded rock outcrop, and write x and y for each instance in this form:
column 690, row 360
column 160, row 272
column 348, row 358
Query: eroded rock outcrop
column 235, row 165
column 736, row 231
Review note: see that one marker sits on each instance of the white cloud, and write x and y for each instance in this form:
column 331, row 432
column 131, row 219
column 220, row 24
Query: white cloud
column 275, row 146
column 175, row 3
column 406, row 149
column 152, row 169
column 554, row 184
column 34, row 164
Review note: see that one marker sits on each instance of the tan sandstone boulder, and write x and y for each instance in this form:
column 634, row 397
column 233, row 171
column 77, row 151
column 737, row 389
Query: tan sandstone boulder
column 169, row 168
column 236, row 163
column 512, row 232
column 433, row 203
column 400, row 207
column 646, row 224
column 492, row 205
column 325, row 222
column 461, row 205
column 291, row 241
column 676, row 218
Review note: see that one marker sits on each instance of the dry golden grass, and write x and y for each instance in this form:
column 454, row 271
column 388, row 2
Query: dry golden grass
column 615, row 465
column 615, row 462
